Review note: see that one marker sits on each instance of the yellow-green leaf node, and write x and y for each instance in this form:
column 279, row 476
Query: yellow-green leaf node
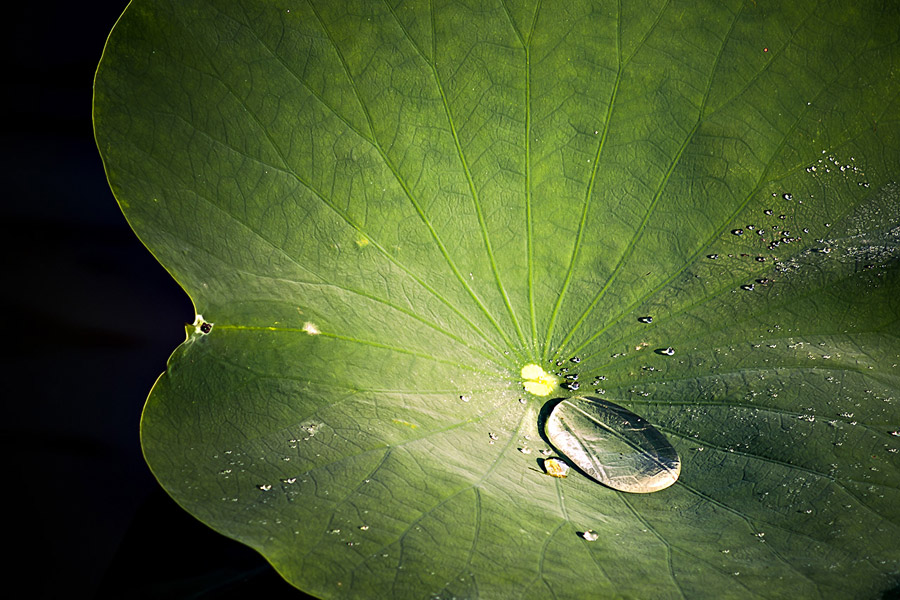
column 537, row 380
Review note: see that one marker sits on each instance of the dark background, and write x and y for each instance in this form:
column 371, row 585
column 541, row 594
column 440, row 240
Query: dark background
column 93, row 318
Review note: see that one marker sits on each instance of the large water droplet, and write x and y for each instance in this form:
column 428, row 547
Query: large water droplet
column 613, row 445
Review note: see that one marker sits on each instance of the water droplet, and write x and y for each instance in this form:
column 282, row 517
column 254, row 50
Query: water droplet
column 572, row 376
column 555, row 467
column 364, row 527
column 571, row 385
column 712, row 256
column 768, row 211
column 613, row 445
column 737, row 231
column 525, row 450
column 747, row 287
column 575, row 359
column 492, row 435
column 590, row 535
column 464, row 398
column 645, row 319
column 265, row 487
column 760, row 259
column 667, row 351
column 787, row 196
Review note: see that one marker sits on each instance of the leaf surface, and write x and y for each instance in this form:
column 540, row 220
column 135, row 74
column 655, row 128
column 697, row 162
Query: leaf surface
column 386, row 209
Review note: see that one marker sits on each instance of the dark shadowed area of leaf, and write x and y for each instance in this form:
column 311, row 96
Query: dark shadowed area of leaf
column 386, row 208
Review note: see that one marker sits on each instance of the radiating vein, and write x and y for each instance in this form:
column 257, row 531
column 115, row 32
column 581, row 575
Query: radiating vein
column 477, row 204
column 725, row 224
column 407, row 191
column 632, row 244
column 620, row 67
column 354, row 225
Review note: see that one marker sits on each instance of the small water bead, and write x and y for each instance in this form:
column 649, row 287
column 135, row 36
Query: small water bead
column 265, row 487
column 712, row 256
column 464, row 398
column 555, row 468
column 748, row 287
column 572, row 386
column 737, row 231
column 760, row 259
column 750, row 227
column 668, row 351
column 575, row 359
column 572, row 376
column 762, row 281
column 590, row 535
column 768, row 211
column 645, row 319
column 787, row 196
column 613, row 445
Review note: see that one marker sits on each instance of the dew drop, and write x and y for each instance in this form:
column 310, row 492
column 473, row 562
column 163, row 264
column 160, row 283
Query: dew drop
column 575, row 359
column 768, row 211
column 264, row 487
column 613, row 445
column 555, row 467
column 645, row 319
column 787, row 196
column 747, row 287
column 737, row 231
column 571, row 385
column 712, row 256
column 670, row 351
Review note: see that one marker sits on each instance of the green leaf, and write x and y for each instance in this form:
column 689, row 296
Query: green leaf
column 387, row 208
